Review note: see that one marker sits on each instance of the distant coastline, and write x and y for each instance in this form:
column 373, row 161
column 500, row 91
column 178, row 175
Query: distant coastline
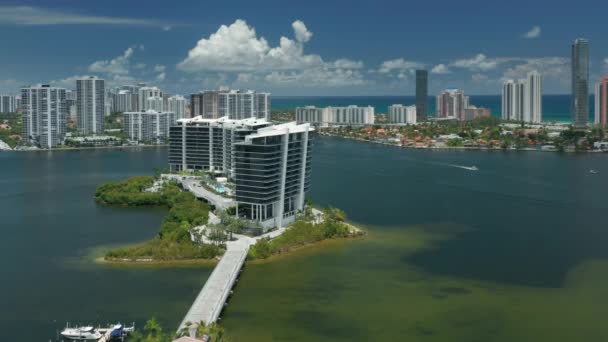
column 86, row 148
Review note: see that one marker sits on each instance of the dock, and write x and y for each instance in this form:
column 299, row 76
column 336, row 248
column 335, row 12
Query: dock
column 209, row 303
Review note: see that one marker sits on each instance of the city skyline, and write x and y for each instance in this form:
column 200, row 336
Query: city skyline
column 299, row 52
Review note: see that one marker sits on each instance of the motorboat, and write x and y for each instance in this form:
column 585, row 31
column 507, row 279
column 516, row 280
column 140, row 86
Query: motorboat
column 592, row 171
column 81, row 333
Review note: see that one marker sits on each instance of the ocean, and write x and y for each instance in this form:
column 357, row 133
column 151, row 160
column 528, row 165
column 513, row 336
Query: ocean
column 556, row 108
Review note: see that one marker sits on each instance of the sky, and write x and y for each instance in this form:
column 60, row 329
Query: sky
column 293, row 48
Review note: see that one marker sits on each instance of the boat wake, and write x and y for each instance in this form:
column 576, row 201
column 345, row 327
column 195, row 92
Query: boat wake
column 464, row 167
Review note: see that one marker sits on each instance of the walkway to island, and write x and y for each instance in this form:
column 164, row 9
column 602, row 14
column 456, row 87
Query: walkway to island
column 209, row 303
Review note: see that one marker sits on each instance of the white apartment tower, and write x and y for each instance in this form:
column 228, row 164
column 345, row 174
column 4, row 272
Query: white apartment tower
column 533, row 98
column 177, row 104
column 90, row 105
column 400, row 114
column 340, row 116
column 7, row 104
column 150, row 98
column 44, row 115
column 522, row 99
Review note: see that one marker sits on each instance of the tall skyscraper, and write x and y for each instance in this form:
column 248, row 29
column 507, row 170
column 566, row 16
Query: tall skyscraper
column 422, row 95
column 533, row 98
column 601, row 102
column 580, row 83
column 177, row 104
column 90, row 105
column 7, row 104
column 513, row 100
column 451, row 103
column 150, row 98
column 44, row 115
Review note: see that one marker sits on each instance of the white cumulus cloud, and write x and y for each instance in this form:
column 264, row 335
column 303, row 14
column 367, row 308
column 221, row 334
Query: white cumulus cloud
column 477, row 63
column 301, row 32
column 440, row 69
column 117, row 66
column 400, row 65
column 533, row 33
column 238, row 50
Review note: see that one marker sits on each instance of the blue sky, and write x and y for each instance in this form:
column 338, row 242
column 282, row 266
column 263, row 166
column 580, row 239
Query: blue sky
column 298, row 48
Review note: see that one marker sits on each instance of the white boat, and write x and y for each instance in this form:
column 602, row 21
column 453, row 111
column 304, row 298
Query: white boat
column 592, row 171
column 81, row 333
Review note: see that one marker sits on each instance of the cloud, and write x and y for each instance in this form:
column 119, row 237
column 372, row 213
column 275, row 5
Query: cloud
column 161, row 72
column 552, row 67
column 477, row 63
column 479, row 77
column 159, row 68
column 440, row 69
column 315, row 77
column 140, row 65
column 68, row 82
column 344, row 63
column 161, row 76
column 400, row 65
column 31, row 16
column 117, row 66
column 237, row 49
column 533, row 33
column 301, row 32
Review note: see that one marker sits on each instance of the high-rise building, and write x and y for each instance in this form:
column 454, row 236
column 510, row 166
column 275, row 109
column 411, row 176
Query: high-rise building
column 44, row 114
column 580, row 83
column 601, row 102
column 513, row 92
column 150, row 98
column 269, row 164
column 7, row 104
column 235, row 104
column 339, row 116
column 400, row 114
column 90, row 105
column 149, row 126
column 177, row 105
column 533, row 98
column 522, row 99
column 422, row 95
column 473, row 112
column 451, row 103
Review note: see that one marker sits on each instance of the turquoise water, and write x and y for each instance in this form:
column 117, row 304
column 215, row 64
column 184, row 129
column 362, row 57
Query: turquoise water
column 555, row 107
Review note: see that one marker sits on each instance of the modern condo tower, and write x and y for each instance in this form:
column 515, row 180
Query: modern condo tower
column 451, row 103
column 522, row 99
column 533, row 98
column 235, row 104
column 422, row 95
column 269, row 164
column 7, row 104
column 513, row 100
column 336, row 116
column 150, row 98
column 601, row 102
column 90, row 105
column 44, row 115
column 400, row 114
column 580, row 83
column 177, row 104
column 149, row 126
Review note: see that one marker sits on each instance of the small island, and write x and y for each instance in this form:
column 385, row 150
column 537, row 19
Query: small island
column 191, row 231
